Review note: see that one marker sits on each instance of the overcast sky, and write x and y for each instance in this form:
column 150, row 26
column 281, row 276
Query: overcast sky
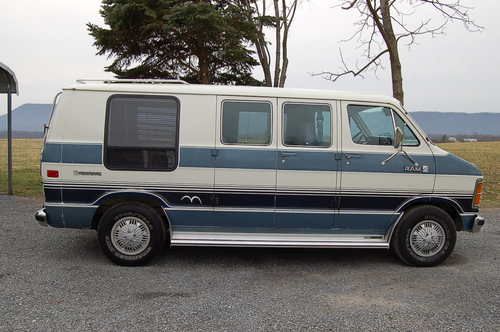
column 46, row 43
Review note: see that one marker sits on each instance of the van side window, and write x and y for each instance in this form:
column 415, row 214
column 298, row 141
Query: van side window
column 371, row 125
column 246, row 122
column 141, row 133
column 307, row 125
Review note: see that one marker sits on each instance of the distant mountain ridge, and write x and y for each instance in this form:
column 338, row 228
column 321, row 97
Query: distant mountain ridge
column 28, row 118
column 455, row 123
column 28, row 121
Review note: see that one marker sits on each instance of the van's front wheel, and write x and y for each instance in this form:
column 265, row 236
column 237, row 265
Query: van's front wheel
column 131, row 234
column 425, row 236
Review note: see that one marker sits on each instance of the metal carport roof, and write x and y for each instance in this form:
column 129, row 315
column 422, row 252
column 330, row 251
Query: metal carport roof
column 8, row 80
column 8, row 85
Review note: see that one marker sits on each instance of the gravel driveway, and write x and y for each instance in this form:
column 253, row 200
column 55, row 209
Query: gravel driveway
column 56, row 279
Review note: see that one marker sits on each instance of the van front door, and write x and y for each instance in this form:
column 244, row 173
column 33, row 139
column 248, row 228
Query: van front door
column 372, row 186
column 307, row 168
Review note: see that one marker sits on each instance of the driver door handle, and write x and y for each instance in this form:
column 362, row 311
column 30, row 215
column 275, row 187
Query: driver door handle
column 351, row 155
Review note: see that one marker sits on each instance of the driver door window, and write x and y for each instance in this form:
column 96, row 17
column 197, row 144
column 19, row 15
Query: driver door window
column 374, row 125
column 371, row 125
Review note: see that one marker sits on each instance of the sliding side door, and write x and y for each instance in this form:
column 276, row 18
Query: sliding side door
column 245, row 164
column 307, row 167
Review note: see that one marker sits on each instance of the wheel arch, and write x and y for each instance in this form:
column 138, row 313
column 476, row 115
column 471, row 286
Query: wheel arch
column 113, row 198
column 449, row 205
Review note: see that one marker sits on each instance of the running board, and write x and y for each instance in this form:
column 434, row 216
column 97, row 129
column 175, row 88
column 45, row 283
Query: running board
column 276, row 240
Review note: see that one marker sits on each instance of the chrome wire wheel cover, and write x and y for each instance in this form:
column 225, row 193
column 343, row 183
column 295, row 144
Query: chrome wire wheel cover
column 130, row 235
column 427, row 238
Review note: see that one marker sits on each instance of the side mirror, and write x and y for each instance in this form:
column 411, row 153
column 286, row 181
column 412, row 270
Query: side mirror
column 398, row 138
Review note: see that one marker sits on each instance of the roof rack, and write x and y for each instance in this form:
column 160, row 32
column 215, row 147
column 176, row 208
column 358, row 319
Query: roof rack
column 127, row 80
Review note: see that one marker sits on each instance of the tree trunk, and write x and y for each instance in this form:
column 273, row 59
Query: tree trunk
column 397, row 76
column 204, row 73
column 263, row 58
column 392, row 46
column 277, row 64
column 286, row 27
column 260, row 40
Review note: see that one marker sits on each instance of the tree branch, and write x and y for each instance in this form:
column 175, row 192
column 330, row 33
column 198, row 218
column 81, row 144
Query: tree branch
column 330, row 76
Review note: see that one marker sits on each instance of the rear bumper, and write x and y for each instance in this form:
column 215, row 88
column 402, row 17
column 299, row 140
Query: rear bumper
column 62, row 215
column 472, row 222
column 41, row 217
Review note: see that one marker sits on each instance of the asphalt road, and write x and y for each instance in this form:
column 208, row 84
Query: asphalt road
column 54, row 279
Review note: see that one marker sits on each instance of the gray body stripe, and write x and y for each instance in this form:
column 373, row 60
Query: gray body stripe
column 272, row 159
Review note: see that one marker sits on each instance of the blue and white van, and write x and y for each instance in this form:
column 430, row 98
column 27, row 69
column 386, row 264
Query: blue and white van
column 151, row 163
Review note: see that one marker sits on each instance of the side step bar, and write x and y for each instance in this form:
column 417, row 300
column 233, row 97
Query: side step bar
column 276, row 240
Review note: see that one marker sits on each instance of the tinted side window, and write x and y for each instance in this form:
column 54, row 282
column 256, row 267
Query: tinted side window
column 410, row 139
column 245, row 122
column 307, row 125
column 371, row 125
column 142, row 133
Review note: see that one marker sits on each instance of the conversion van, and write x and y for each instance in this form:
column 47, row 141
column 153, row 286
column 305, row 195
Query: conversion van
column 149, row 163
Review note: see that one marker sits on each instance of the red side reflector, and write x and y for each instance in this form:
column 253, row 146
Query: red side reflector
column 52, row 173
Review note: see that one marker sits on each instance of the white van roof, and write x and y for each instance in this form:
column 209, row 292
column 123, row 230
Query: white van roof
column 247, row 91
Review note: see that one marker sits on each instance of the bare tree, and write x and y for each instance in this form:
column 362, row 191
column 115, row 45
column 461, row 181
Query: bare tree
column 383, row 24
column 280, row 18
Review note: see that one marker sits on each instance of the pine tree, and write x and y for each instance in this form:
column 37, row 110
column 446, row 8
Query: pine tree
column 198, row 41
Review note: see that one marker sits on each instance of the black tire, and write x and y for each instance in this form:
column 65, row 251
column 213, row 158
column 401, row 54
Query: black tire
column 145, row 216
column 401, row 243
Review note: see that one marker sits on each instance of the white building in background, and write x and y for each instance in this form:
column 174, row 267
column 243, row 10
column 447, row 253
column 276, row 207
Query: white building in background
column 470, row 139
column 452, row 139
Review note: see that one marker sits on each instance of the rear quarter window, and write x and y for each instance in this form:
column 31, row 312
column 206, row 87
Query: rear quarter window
column 142, row 133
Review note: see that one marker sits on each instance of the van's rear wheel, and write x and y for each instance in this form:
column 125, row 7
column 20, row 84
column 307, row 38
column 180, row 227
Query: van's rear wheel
column 425, row 236
column 131, row 234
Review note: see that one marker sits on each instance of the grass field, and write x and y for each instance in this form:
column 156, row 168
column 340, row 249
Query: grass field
column 26, row 164
column 27, row 175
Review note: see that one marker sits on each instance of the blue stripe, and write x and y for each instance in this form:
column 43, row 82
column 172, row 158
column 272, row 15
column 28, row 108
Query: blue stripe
column 305, row 220
column 451, row 164
column 72, row 153
column 55, row 216
column 246, row 158
column 224, row 219
column 354, row 223
column 78, row 217
column 372, row 162
column 301, row 222
column 52, row 153
column 196, row 157
column 316, row 201
column 308, row 161
column 70, row 216
column 257, row 159
column 272, row 159
column 321, row 161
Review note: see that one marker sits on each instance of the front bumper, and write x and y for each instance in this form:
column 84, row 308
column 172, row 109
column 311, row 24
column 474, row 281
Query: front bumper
column 477, row 224
column 41, row 217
